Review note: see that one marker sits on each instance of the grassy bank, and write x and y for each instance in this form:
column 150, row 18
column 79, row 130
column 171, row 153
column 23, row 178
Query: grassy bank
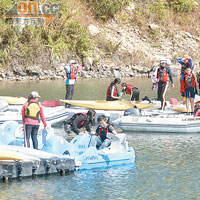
column 67, row 35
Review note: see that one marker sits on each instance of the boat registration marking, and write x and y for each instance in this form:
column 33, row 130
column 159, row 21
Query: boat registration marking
column 191, row 119
column 91, row 158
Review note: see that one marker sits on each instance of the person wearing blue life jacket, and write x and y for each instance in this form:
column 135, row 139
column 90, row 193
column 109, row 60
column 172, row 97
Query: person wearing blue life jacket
column 100, row 139
column 80, row 120
column 163, row 75
column 71, row 72
column 185, row 62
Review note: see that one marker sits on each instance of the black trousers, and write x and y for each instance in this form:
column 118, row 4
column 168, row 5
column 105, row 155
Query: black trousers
column 162, row 89
column 32, row 130
column 69, row 93
column 135, row 94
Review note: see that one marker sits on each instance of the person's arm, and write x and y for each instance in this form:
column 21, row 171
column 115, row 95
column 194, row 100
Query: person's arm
column 23, row 109
column 191, row 63
column 112, row 93
column 42, row 117
column 112, row 130
column 170, row 76
column 75, row 122
column 180, row 61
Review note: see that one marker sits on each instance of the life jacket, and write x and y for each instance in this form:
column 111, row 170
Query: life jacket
column 189, row 81
column 102, row 132
column 32, row 111
column 129, row 88
column 162, row 74
column 81, row 124
column 71, row 74
column 109, row 90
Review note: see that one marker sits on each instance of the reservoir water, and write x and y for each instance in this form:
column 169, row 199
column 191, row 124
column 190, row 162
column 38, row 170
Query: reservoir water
column 167, row 165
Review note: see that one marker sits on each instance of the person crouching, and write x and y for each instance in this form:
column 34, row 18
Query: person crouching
column 80, row 120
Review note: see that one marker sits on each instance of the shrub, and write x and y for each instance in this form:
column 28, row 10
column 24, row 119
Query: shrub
column 182, row 5
column 105, row 9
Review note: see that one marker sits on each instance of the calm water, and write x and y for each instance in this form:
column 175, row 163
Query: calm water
column 167, row 165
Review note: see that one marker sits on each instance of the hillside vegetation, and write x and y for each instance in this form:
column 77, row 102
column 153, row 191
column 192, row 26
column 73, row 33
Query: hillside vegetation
column 67, row 36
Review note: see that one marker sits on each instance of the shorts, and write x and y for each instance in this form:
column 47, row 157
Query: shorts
column 189, row 92
column 135, row 95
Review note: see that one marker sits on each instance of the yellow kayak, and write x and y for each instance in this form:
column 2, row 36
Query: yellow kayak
column 9, row 155
column 180, row 108
column 106, row 105
column 13, row 100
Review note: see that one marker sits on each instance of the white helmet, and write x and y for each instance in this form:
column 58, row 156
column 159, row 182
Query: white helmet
column 72, row 62
column 169, row 62
column 34, row 94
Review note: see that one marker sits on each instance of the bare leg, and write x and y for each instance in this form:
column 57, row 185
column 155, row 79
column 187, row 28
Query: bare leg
column 192, row 104
column 187, row 104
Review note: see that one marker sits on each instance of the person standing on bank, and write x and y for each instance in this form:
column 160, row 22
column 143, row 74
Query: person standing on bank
column 163, row 74
column 31, row 114
column 112, row 91
column 71, row 72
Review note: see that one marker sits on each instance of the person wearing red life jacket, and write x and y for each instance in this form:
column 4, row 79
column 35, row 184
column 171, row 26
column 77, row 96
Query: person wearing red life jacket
column 71, row 72
column 80, row 120
column 163, row 74
column 31, row 114
column 185, row 62
column 190, row 88
column 132, row 91
column 112, row 91
column 100, row 139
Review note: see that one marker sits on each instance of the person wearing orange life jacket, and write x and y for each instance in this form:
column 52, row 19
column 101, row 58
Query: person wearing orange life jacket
column 31, row 114
column 131, row 90
column 100, row 139
column 190, row 88
column 163, row 74
column 80, row 120
column 112, row 91
column 71, row 72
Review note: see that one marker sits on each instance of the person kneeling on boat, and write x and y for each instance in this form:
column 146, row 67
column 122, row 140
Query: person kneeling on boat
column 112, row 91
column 80, row 120
column 31, row 114
column 131, row 90
column 100, row 139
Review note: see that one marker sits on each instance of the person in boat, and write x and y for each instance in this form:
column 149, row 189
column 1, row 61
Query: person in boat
column 100, row 139
column 112, row 91
column 80, row 120
column 132, row 91
column 185, row 62
column 71, row 70
column 31, row 114
column 163, row 75
column 190, row 88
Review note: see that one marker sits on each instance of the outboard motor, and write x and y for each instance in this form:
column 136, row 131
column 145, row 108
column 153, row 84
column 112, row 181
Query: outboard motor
column 132, row 111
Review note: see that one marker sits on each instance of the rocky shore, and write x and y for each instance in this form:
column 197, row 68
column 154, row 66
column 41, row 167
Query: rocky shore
column 57, row 72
